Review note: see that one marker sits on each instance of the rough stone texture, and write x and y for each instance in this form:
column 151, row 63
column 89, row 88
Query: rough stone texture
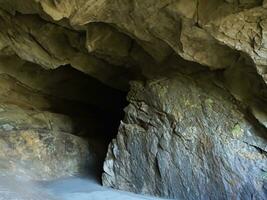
column 43, row 154
column 245, row 32
column 106, row 42
column 186, row 138
column 39, row 122
column 39, row 144
column 159, row 27
column 181, row 137
column 202, row 31
column 63, row 82
column 250, row 90
column 51, row 46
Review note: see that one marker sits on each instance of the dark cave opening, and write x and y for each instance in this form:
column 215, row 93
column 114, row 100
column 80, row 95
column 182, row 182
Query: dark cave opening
column 97, row 122
column 88, row 108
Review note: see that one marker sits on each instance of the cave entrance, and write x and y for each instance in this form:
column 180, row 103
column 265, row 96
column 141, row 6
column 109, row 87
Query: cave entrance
column 65, row 100
column 95, row 110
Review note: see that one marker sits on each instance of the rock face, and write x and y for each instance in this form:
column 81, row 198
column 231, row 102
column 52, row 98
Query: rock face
column 188, row 133
column 40, row 145
column 186, row 138
column 202, row 31
column 48, row 129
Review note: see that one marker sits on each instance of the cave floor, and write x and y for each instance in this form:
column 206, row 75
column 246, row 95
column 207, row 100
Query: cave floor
column 72, row 188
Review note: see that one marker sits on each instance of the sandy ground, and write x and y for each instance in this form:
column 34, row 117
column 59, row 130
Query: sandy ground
column 73, row 188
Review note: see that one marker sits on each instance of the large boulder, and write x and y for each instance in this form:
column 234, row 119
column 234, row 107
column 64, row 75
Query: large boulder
column 39, row 132
column 187, row 138
column 39, row 145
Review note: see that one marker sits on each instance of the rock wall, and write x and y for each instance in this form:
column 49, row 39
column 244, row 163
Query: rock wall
column 202, row 31
column 49, row 126
column 34, row 141
column 195, row 126
column 186, row 138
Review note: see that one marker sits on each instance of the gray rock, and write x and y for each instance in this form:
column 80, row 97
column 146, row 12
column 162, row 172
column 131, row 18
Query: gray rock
column 181, row 137
column 43, row 154
column 40, row 145
column 187, row 139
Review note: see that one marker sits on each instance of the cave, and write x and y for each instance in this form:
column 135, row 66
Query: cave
column 83, row 106
column 133, row 100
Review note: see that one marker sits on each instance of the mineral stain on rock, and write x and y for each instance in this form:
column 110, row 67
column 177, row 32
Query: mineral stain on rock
column 194, row 123
column 206, row 151
column 237, row 131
